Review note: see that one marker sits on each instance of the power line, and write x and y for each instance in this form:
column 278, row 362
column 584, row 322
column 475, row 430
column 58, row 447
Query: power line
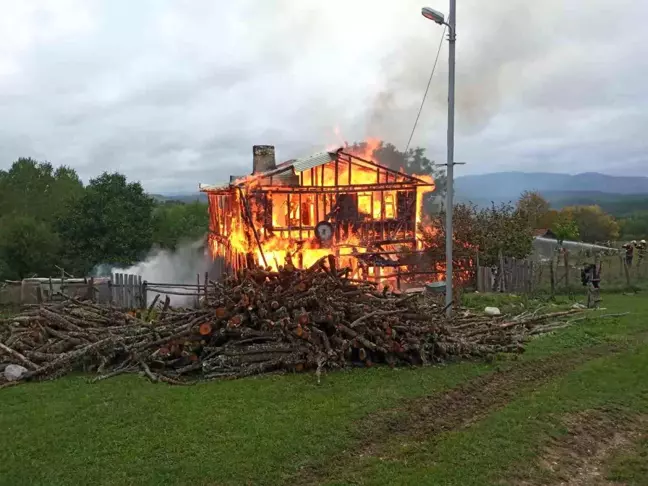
column 436, row 60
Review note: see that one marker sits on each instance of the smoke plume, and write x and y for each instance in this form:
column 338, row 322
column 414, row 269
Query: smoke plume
column 181, row 266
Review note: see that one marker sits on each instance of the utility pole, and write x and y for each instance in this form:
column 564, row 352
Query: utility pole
column 452, row 22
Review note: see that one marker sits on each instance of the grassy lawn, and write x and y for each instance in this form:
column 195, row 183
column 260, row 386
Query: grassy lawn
column 288, row 429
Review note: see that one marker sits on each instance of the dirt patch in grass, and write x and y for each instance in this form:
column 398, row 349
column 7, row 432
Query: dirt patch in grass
column 422, row 419
column 458, row 408
column 580, row 457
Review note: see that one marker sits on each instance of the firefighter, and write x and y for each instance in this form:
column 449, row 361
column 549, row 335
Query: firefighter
column 629, row 252
column 591, row 278
column 641, row 251
column 589, row 275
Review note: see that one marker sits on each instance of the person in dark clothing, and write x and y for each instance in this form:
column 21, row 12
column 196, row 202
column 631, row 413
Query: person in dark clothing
column 591, row 278
column 589, row 275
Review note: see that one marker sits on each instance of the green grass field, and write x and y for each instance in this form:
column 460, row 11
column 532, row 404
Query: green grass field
column 458, row 424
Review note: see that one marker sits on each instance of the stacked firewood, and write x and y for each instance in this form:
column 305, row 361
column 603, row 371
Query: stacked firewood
column 256, row 322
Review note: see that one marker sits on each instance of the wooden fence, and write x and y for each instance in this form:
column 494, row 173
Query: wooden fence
column 511, row 276
column 560, row 273
column 127, row 291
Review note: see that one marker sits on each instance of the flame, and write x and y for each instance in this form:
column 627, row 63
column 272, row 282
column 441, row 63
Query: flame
column 275, row 240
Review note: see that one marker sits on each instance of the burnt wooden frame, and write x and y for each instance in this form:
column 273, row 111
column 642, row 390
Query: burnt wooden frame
column 372, row 232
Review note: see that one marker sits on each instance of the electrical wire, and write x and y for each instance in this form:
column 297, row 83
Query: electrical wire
column 436, row 60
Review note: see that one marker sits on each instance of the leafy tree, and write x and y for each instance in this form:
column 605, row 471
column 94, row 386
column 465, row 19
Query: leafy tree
column 548, row 219
column 565, row 228
column 110, row 223
column 594, row 225
column 27, row 247
column 498, row 229
column 534, row 207
column 635, row 226
column 174, row 222
column 30, row 188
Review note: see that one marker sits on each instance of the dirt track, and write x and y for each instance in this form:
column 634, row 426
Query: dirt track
column 426, row 417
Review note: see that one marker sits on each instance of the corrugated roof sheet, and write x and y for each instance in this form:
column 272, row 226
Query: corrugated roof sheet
column 314, row 160
column 282, row 172
column 212, row 187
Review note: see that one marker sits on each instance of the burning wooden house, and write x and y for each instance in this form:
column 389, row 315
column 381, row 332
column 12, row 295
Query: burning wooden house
column 334, row 202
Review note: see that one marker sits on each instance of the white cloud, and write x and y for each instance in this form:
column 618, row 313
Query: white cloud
column 175, row 92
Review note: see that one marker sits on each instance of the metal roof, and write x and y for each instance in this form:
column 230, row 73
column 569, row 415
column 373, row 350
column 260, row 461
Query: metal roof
column 315, row 160
column 212, row 187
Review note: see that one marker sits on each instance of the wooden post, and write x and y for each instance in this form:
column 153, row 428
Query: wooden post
column 206, row 284
column 140, row 294
column 566, row 260
column 122, row 290
column 197, row 290
column 131, row 291
column 552, row 277
column 627, row 273
column 502, row 284
column 144, row 294
column 115, row 295
column 91, row 294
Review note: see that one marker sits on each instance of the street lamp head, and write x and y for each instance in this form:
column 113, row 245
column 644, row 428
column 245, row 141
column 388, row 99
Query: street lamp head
column 435, row 15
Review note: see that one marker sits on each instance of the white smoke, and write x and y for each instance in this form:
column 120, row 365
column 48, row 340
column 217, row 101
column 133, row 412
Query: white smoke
column 182, row 266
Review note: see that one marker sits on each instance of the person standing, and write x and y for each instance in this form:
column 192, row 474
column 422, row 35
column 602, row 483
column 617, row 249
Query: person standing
column 641, row 251
column 629, row 252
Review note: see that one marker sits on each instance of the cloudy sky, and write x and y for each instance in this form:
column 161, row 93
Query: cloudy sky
column 176, row 92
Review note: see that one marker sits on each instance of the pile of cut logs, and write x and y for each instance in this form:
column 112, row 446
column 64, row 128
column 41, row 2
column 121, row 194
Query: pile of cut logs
column 252, row 323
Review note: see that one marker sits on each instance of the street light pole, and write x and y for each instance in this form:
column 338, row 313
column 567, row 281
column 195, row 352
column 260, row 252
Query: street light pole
column 450, row 159
column 438, row 17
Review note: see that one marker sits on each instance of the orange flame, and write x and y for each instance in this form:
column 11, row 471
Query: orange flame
column 281, row 243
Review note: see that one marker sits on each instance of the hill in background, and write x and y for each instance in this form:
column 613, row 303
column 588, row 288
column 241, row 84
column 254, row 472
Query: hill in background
column 619, row 196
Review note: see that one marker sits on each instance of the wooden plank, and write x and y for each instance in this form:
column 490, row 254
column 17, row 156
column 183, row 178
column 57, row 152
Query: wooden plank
column 123, row 294
column 119, row 299
column 117, row 290
column 130, row 291
column 139, row 293
column 552, row 277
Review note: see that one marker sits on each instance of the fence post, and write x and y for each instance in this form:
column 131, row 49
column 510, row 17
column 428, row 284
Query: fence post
column 144, row 294
column 197, row 290
column 138, row 285
column 627, row 273
column 566, row 260
column 552, row 277
column 131, row 291
column 120, row 290
column 91, row 294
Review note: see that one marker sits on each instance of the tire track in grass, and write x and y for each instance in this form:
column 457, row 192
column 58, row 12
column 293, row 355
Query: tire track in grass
column 381, row 434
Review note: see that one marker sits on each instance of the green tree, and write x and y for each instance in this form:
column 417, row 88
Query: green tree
column 534, row 207
column 174, row 222
column 28, row 247
column 634, row 226
column 110, row 223
column 594, row 225
column 31, row 188
column 498, row 229
column 565, row 228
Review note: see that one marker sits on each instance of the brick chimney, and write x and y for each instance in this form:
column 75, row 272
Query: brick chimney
column 263, row 158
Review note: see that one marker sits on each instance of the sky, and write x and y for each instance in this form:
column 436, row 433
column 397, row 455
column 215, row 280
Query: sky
column 174, row 93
